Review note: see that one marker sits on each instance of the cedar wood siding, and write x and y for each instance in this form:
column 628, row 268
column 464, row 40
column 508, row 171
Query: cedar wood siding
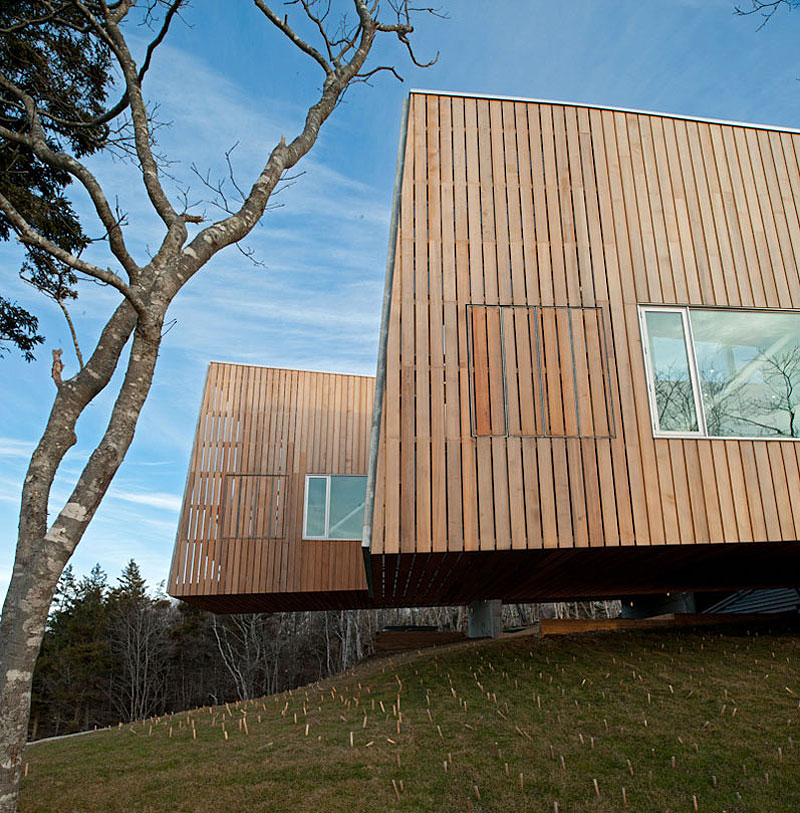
column 261, row 430
column 561, row 207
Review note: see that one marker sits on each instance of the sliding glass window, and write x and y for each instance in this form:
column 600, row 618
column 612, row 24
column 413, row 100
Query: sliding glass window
column 723, row 373
column 334, row 506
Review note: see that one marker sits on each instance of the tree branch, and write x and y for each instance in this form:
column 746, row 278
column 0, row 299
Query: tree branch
column 139, row 117
column 286, row 29
column 71, row 326
column 29, row 236
column 37, row 143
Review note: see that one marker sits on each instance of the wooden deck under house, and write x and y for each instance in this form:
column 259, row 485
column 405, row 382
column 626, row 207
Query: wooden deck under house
column 587, row 384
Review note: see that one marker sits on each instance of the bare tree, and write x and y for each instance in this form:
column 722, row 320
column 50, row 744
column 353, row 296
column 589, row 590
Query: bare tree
column 339, row 46
column 140, row 643
column 243, row 642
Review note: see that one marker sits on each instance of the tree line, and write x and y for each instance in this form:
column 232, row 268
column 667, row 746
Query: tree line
column 119, row 653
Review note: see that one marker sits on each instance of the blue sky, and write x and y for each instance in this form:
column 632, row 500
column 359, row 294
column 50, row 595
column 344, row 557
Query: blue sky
column 315, row 304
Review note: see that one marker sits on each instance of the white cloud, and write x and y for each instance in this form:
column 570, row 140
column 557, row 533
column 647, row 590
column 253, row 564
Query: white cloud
column 165, row 502
column 11, row 447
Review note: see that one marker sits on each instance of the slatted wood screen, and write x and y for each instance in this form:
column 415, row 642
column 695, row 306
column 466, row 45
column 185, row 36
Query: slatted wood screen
column 556, row 210
column 260, row 431
column 540, row 371
column 253, row 506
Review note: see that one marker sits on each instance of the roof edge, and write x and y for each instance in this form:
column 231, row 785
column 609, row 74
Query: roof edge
column 611, row 108
column 285, row 369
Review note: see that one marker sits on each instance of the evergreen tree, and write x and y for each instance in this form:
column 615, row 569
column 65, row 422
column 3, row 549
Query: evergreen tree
column 132, row 586
column 67, row 70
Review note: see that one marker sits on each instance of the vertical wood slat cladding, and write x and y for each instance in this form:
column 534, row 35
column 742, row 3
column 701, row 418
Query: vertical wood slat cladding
column 261, row 430
column 554, row 208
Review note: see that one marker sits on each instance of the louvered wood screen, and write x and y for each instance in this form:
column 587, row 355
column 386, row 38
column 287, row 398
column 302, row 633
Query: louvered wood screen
column 539, row 371
column 253, row 506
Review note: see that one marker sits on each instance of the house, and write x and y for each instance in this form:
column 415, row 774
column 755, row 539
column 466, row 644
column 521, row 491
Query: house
column 587, row 386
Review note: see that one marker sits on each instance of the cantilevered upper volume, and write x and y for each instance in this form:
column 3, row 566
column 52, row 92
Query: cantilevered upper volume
column 588, row 380
column 276, row 478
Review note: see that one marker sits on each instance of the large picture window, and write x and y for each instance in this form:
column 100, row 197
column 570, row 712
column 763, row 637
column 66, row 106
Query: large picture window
column 723, row 373
column 334, row 506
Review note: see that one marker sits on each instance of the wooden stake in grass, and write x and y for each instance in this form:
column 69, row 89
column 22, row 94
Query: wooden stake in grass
column 477, row 793
column 396, row 791
column 624, row 798
column 351, row 739
column 694, row 802
column 521, row 782
column 596, row 788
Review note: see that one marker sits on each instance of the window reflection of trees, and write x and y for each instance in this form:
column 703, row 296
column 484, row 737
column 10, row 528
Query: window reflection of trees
column 742, row 404
column 675, row 400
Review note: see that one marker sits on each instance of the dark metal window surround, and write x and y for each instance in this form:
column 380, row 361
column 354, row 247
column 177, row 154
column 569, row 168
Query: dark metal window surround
column 539, row 371
column 254, row 506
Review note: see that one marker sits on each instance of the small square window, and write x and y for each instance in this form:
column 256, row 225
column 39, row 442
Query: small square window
column 334, row 506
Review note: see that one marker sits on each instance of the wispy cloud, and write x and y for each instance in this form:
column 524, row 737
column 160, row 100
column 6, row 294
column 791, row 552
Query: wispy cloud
column 165, row 502
column 11, row 447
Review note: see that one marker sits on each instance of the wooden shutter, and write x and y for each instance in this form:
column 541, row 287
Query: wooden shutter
column 539, row 371
column 254, row 506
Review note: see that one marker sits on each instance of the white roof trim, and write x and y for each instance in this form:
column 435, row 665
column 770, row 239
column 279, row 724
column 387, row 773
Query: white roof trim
column 284, row 369
column 607, row 107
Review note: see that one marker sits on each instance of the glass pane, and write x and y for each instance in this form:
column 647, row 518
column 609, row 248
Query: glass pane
column 671, row 379
column 347, row 507
column 315, row 506
column 749, row 368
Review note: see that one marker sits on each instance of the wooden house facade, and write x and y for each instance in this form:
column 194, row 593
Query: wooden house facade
column 589, row 366
column 262, row 434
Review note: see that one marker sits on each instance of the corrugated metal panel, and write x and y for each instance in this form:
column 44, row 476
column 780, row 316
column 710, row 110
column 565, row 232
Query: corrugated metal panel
column 759, row 601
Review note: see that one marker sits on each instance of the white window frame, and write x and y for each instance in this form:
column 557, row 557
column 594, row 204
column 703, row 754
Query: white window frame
column 691, row 362
column 327, row 478
column 691, row 355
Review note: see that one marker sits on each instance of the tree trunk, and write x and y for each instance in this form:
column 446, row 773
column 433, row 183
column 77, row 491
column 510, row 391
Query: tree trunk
column 21, row 631
column 41, row 556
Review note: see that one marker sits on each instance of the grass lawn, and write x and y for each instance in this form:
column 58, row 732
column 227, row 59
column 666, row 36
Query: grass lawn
column 681, row 720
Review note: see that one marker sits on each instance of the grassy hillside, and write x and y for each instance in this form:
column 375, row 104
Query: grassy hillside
column 680, row 720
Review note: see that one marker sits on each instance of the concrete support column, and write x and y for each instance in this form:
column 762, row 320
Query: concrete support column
column 485, row 619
